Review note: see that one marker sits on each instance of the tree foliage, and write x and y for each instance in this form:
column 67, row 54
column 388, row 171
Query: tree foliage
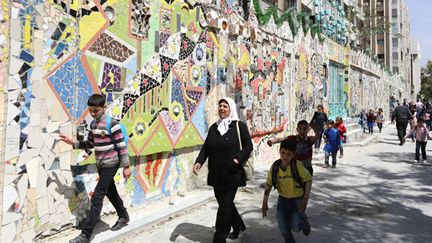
column 426, row 81
column 373, row 24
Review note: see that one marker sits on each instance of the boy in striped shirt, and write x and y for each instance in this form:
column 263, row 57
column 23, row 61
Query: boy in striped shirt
column 111, row 153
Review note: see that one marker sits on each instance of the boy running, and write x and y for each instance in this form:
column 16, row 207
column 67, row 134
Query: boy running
column 289, row 177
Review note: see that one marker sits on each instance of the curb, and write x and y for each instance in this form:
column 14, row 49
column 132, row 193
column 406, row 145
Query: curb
column 186, row 203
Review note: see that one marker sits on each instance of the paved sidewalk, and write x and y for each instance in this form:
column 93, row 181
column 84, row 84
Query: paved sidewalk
column 375, row 194
column 372, row 196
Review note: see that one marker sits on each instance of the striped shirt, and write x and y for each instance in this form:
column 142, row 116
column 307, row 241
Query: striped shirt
column 98, row 138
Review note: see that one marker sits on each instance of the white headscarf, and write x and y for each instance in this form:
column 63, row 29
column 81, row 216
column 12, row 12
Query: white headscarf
column 223, row 124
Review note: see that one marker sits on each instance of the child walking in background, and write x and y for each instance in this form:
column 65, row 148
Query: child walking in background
column 371, row 121
column 293, row 183
column 380, row 119
column 340, row 126
column 333, row 141
column 422, row 134
column 363, row 120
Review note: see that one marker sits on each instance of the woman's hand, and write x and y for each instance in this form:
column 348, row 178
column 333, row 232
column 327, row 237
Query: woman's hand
column 196, row 168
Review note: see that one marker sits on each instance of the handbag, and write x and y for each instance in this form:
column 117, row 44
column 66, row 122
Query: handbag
column 248, row 166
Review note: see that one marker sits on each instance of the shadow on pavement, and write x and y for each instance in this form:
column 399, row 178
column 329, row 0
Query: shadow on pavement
column 193, row 232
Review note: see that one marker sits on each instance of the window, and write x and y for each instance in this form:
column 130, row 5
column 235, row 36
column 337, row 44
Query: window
column 394, row 13
column 395, row 56
column 394, row 2
column 395, row 27
column 395, row 70
column 395, row 42
column 380, row 42
column 290, row 4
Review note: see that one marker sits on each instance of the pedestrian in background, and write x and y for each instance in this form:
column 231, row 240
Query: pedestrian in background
column 332, row 139
column 363, row 120
column 401, row 115
column 371, row 120
column 340, row 126
column 293, row 183
column 422, row 134
column 225, row 164
column 111, row 153
column 318, row 123
column 413, row 122
column 380, row 119
column 304, row 142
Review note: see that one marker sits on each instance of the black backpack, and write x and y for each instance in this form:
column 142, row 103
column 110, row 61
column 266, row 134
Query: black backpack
column 294, row 172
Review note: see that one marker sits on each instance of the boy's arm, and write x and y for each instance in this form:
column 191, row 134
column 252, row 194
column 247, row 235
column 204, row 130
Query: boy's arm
column 265, row 200
column 308, row 187
column 272, row 141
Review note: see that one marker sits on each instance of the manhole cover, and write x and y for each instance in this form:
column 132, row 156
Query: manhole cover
column 357, row 209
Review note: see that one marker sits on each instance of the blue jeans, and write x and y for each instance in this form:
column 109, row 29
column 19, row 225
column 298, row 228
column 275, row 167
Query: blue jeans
column 333, row 155
column 289, row 218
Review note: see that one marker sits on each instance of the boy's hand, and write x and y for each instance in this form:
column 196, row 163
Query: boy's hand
column 67, row 139
column 264, row 209
column 270, row 142
column 302, row 207
column 196, row 168
column 126, row 173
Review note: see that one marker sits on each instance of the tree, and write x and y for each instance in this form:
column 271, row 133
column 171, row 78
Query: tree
column 373, row 24
column 426, row 81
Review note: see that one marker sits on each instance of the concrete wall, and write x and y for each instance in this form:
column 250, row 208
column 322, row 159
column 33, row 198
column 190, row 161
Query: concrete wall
column 168, row 64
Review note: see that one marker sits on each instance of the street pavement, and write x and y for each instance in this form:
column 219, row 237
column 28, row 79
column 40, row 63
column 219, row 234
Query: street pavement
column 375, row 194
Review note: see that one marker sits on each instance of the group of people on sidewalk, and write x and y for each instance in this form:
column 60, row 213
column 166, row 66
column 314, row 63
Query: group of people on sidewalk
column 418, row 116
column 367, row 120
column 227, row 148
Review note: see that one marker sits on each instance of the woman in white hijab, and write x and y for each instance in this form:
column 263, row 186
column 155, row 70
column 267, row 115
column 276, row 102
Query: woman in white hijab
column 225, row 163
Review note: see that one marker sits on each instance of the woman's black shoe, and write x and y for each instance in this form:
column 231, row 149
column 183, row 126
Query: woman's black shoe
column 234, row 235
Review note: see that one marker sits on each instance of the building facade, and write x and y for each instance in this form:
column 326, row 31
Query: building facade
column 163, row 66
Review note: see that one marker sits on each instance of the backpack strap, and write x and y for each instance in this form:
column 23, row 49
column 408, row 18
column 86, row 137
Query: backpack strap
column 108, row 121
column 295, row 173
column 275, row 169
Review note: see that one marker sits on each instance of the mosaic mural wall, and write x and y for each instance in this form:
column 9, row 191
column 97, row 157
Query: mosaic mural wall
column 163, row 66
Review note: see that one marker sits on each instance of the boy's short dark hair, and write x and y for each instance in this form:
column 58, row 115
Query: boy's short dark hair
column 96, row 100
column 302, row 123
column 288, row 145
column 421, row 119
column 330, row 122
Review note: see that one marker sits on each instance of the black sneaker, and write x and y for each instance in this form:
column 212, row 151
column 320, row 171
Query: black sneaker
column 82, row 238
column 306, row 227
column 120, row 223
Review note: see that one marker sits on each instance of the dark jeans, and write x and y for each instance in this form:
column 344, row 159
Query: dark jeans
column 380, row 125
column 401, row 127
column 318, row 135
column 371, row 127
column 333, row 155
column 289, row 217
column 421, row 145
column 227, row 214
column 105, row 187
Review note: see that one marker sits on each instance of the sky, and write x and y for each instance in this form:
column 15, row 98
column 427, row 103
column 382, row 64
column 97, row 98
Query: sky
column 421, row 26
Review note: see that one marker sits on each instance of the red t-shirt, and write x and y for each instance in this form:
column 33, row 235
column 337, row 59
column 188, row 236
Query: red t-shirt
column 304, row 147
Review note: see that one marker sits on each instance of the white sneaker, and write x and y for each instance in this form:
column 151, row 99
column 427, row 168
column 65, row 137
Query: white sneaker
column 416, row 161
column 425, row 161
